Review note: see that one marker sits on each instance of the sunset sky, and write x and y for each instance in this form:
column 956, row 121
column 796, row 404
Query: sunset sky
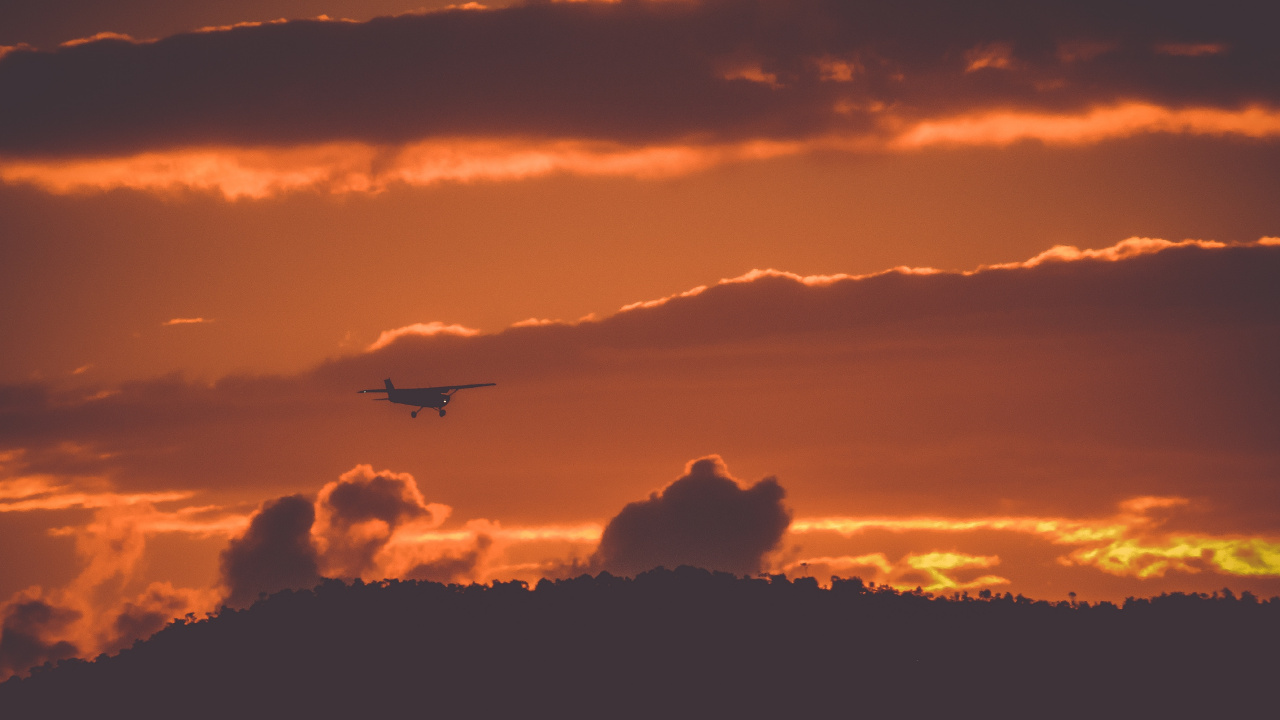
column 968, row 297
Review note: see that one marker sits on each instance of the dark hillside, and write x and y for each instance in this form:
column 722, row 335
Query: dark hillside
column 684, row 643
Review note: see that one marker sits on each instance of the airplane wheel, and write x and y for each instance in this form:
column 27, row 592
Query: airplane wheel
column 413, row 414
column 441, row 413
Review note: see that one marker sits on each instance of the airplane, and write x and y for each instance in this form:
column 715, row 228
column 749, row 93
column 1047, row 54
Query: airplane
column 433, row 397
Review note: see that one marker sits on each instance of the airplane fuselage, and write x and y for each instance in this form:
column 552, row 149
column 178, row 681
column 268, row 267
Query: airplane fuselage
column 419, row 397
column 433, row 397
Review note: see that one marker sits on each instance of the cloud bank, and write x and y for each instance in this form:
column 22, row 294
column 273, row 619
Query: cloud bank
column 634, row 88
column 1014, row 407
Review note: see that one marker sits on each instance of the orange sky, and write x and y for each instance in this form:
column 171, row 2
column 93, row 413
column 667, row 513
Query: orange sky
column 930, row 273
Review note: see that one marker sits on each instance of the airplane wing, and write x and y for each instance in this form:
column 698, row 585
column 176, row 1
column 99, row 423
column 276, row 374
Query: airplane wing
column 447, row 388
column 374, row 390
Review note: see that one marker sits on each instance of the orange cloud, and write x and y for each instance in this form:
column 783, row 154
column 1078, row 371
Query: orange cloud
column 430, row 329
column 100, row 36
column 1101, row 123
column 185, row 321
column 1123, row 250
column 29, row 494
column 993, row 55
column 111, row 546
column 256, row 173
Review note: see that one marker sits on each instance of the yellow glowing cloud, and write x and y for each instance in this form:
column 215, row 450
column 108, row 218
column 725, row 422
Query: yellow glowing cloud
column 937, row 564
column 938, row 567
column 1127, row 543
column 1132, row 557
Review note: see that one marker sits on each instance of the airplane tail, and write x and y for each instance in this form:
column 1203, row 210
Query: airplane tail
column 386, row 382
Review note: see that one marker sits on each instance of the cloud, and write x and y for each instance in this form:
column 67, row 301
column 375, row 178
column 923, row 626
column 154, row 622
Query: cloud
column 430, row 329
column 1049, row 389
column 484, row 550
column 893, row 359
column 339, row 168
column 185, row 321
column 1130, row 543
column 452, row 567
column 1003, row 127
column 637, row 88
column 275, row 552
column 25, row 635
column 44, row 626
column 358, row 514
column 704, row 519
column 141, row 617
column 935, row 571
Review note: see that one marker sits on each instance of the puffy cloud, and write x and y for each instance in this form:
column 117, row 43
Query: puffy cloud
column 275, row 552
column 141, row 617
column 451, row 567
column 358, row 514
column 48, row 626
column 29, row 635
column 636, row 72
column 704, row 519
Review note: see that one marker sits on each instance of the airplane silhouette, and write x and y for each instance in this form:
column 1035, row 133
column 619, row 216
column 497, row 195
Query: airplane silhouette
column 433, row 397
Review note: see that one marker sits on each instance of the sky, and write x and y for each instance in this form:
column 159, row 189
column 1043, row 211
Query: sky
column 967, row 298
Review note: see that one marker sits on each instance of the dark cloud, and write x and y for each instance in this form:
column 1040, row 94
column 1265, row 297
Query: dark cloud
column 24, row 637
column 1062, row 388
column 384, row 497
column 346, row 508
column 703, row 519
column 630, row 71
column 52, row 22
column 144, row 616
column 451, row 567
column 275, row 553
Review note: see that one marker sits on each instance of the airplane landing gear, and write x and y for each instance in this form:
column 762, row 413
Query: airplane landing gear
column 413, row 414
column 442, row 412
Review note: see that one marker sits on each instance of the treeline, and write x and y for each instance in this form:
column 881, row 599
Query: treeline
column 685, row 643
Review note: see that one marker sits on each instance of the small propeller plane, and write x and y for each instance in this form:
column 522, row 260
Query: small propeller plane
column 433, row 397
